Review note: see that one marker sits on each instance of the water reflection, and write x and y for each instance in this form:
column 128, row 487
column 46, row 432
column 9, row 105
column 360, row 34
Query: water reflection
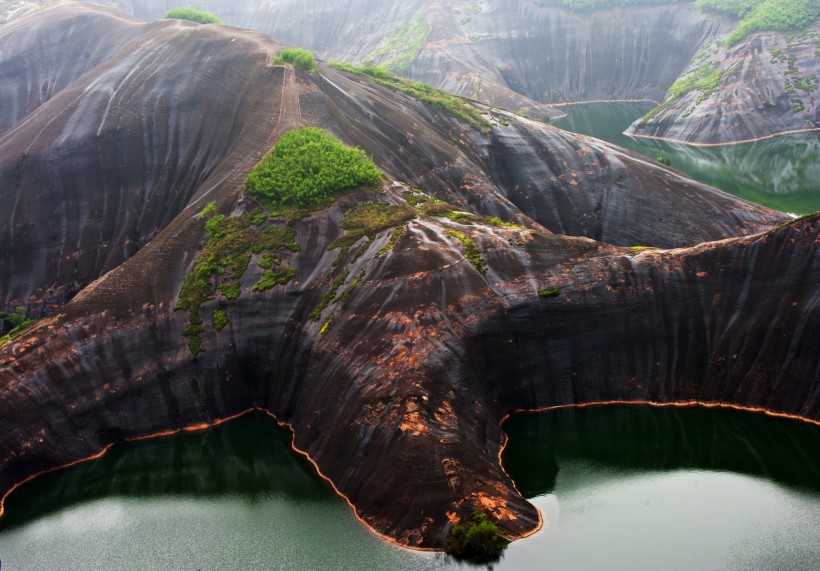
column 620, row 488
column 249, row 458
column 652, row 439
column 782, row 172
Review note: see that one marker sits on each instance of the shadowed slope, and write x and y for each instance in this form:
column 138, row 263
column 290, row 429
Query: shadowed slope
column 397, row 391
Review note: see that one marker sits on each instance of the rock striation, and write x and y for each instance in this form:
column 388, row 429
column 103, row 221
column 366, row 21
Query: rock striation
column 428, row 349
column 766, row 85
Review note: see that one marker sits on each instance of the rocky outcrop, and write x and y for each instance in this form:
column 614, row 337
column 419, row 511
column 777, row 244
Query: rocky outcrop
column 422, row 354
column 110, row 142
column 764, row 86
column 515, row 54
column 520, row 55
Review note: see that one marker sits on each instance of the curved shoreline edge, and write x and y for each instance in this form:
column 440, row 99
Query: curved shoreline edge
column 199, row 427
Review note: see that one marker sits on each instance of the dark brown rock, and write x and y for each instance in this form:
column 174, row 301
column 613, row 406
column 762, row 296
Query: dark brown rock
column 399, row 400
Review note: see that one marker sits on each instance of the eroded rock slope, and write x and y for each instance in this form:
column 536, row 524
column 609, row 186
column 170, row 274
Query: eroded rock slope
column 766, row 85
column 408, row 349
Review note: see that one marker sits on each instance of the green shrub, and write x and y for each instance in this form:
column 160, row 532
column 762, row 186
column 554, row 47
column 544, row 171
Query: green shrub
column 776, row 15
column 306, row 168
column 267, row 261
column 191, row 15
column 18, row 321
column 271, row 278
column 477, row 541
column 549, row 292
column 220, row 320
column 298, row 57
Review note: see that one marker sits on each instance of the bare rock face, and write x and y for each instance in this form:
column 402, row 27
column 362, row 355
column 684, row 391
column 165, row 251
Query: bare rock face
column 397, row 390
column 767, row 85
column 516, row 54
column 99, row 161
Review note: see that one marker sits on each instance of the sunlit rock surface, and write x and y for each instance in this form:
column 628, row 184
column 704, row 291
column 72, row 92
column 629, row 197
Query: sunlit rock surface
column 399, row 400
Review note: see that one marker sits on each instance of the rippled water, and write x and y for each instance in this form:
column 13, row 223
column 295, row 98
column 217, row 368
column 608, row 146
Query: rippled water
column 620, row 488
column 782, row 172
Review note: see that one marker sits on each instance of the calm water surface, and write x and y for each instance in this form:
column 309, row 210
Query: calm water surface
column 783, row 172
column 620, row 488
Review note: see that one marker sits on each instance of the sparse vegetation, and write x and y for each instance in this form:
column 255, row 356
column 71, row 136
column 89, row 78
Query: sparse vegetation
column 664, row 160
column 308, row 167
column 300, row 58
column 705, row 78
column 220, row 265
column 549, row 292
column 191, row 15
column 471, row 251
column 329, row 296
column 343, row 242
column 477, row 540
column 642, row 248
column 392, row 241
column 369, row 218
column 453, row 105
column 401, row 47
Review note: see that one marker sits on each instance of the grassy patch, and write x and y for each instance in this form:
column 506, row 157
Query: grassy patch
column 267, row 261
column 300, row 58
column 642, row 248
column 452, row 105
column 477, row 541
column 370, row 218
column 219, row 320
column 549, row 292
column 191, row 15
column 402, row 45
column 471, row 250
column 308, row 167
column 272, row 278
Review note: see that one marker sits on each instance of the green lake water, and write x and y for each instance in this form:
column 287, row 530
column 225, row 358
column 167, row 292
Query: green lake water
column 782, row 172
column 619, row 488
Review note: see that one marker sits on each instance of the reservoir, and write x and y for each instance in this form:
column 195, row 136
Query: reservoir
column 619, row 488
column 782, row 172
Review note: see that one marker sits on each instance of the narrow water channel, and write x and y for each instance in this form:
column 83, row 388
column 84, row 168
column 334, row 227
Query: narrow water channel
column 782, row 172
column 619, row 488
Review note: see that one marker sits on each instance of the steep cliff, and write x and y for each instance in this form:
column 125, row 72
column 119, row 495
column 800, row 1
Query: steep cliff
column 409, row 348
column 765, row 85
